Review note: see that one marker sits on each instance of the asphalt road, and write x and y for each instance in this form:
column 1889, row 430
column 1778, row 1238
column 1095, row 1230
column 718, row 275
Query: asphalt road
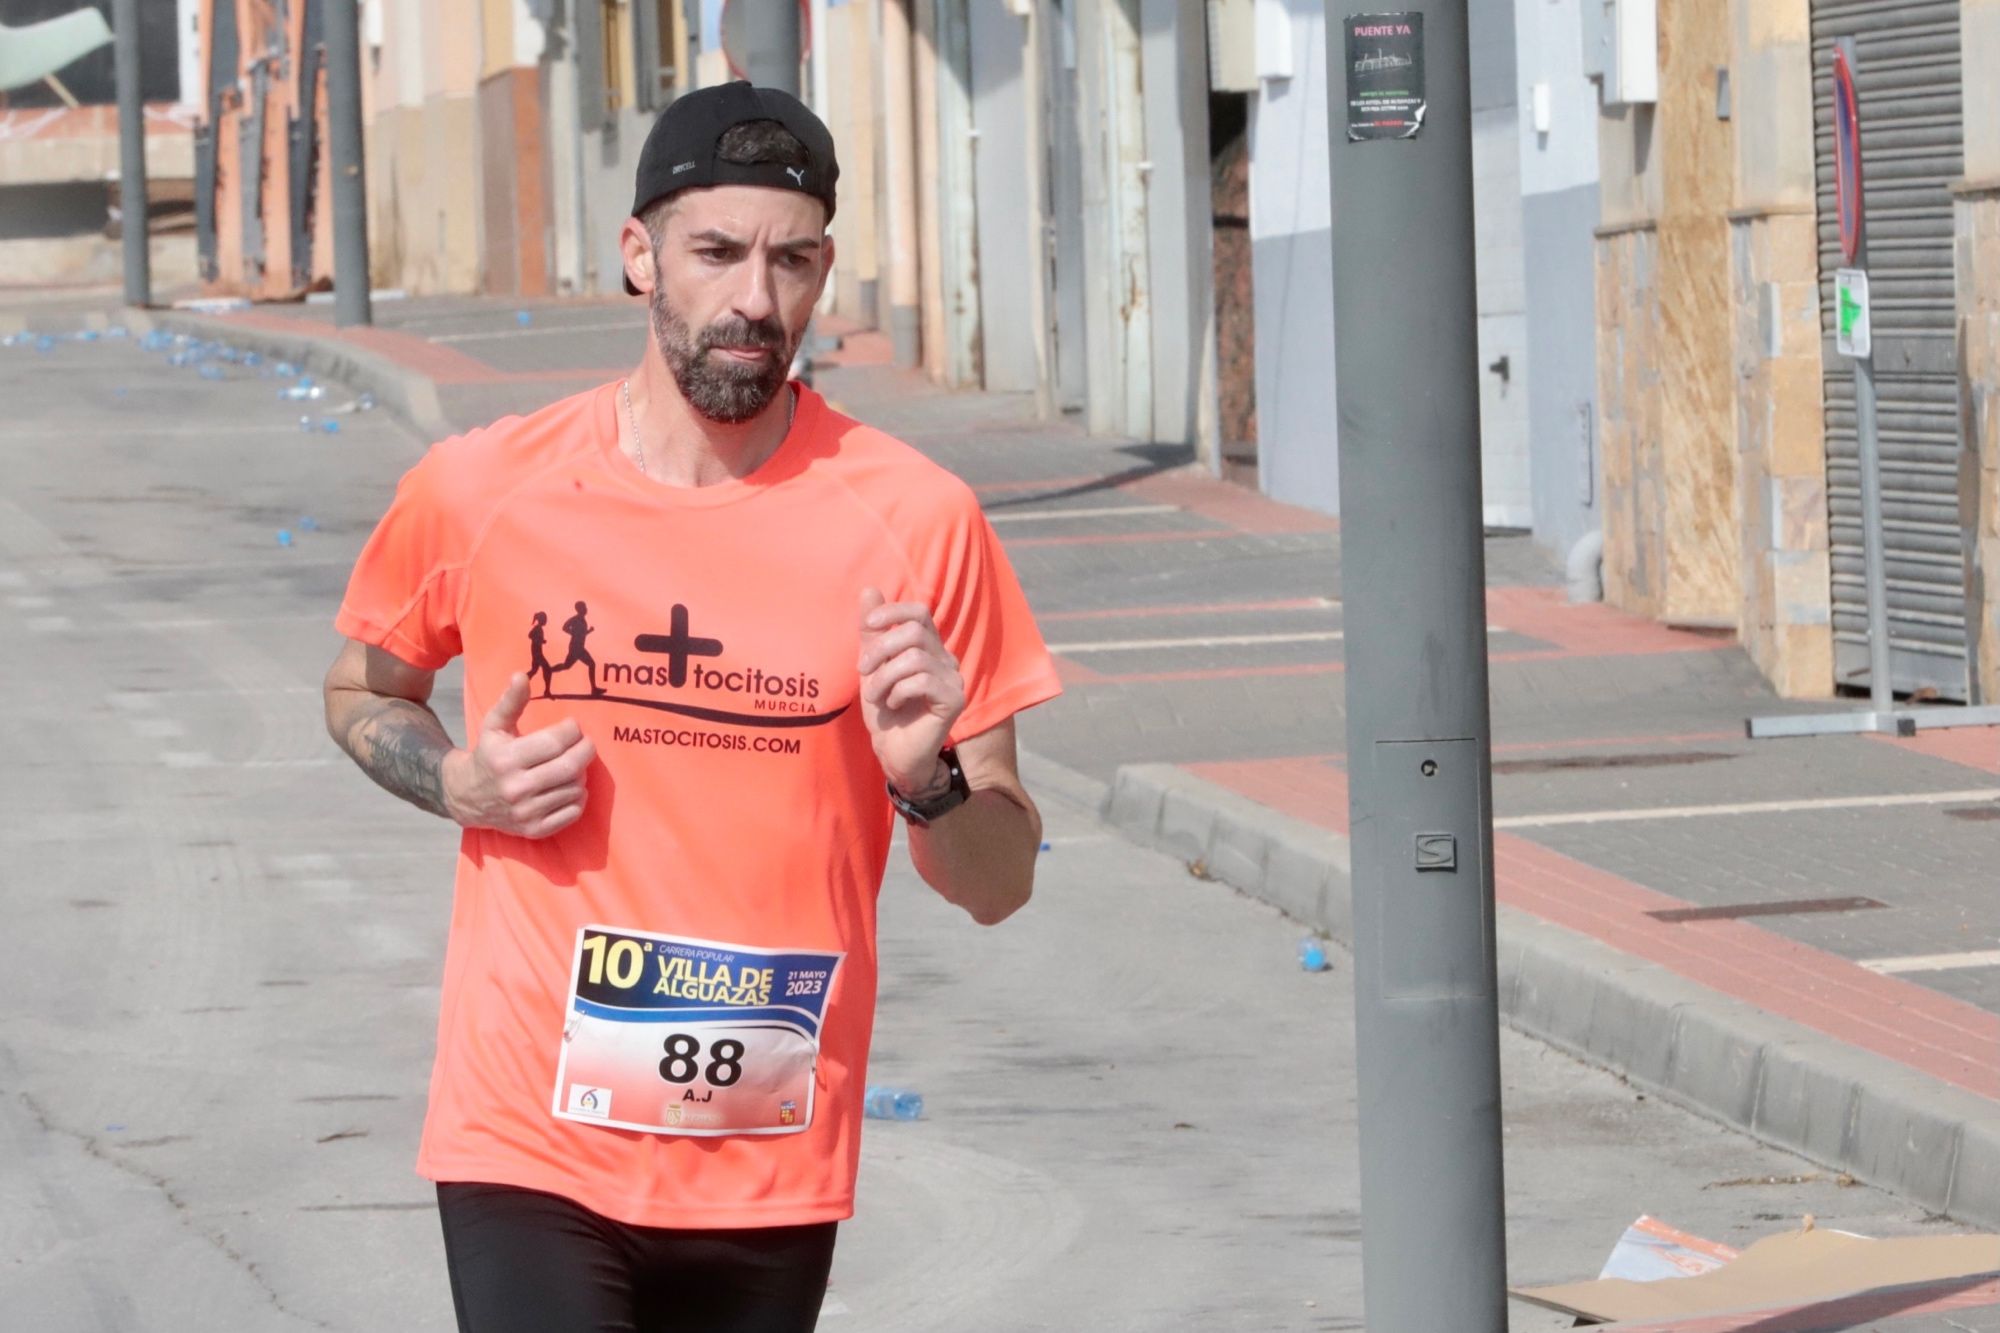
column 218, row 978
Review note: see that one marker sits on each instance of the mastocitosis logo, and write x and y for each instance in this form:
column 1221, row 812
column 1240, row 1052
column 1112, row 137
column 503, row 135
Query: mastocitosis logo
column 677, row 661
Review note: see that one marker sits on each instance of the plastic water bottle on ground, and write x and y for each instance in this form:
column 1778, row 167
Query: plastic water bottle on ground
column 1312, row 954
column 523, row 318
column 303, row 392
column 284, row 537
column 211, row 371
column 883, row 1102
column 328, row 426
column 306, row 426
column 365, row 403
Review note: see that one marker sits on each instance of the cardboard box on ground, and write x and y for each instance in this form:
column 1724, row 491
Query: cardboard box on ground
column 1664, row 1281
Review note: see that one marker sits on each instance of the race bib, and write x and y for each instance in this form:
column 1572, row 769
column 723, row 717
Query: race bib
column 679, row 1036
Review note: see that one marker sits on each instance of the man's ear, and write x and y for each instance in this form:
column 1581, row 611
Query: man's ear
column 636, row 246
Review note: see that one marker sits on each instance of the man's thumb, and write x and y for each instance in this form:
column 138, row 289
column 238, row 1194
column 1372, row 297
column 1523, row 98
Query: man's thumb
column 505, row 715
column 871, row 597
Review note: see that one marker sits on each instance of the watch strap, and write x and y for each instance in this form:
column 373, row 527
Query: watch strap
column 956, row 793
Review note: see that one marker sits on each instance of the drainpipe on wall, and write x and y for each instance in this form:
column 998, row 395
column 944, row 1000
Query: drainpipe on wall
column 1586, row 568
column 899, row 161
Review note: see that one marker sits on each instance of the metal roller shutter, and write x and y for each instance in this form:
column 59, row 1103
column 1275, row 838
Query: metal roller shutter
column 1908, row 85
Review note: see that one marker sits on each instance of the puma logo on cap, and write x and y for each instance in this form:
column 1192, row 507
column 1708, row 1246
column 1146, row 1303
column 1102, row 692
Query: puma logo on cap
column 798, row 174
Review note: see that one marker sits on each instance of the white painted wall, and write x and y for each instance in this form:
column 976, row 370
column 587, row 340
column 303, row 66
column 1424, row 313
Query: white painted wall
column 1560, row 207
column 1292, row 258
column 1548, row 41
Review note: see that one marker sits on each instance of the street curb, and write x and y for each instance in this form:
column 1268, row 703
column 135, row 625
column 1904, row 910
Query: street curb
column 411, row 397
column 1842, row 1107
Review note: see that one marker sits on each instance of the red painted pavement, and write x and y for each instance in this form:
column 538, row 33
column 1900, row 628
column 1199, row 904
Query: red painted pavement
column 1587, row 629
column 1911, row 1024
column 1973, row 747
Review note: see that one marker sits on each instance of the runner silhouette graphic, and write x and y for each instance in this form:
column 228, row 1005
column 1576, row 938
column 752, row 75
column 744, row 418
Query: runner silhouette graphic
column 578, row 628
column 538, row 660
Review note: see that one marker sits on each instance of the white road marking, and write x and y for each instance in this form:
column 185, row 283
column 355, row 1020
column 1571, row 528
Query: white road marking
column 1750, row 808
column 1108, row 511
column 65, row 434
column 626, row 326
column 1214, row 641
column 1210, row 641
column 1934, row 962
column 214, row 622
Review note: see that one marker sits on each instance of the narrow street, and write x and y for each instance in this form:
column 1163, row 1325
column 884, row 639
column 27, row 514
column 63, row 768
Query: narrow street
column 221, row 966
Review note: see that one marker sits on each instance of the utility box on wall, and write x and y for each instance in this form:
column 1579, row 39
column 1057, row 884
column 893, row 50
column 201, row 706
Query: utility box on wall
column 1621, row 49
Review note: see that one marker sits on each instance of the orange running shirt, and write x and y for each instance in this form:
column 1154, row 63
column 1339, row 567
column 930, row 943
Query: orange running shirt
column 736, row 804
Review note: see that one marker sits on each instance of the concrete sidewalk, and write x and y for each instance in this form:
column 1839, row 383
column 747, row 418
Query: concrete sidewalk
column 1795, row 937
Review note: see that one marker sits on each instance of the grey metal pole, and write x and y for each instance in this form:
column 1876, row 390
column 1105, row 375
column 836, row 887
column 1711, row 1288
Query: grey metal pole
column 1418, row 730
column 773, row 61
column 132, row 154
column 1881, row 690
column 350, row 183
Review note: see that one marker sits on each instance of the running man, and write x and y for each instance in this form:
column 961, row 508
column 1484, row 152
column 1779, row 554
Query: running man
column 660, row 976
column 578, row 629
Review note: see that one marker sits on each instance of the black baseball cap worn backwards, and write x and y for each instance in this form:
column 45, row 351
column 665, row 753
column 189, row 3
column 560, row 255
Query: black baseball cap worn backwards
column 680, row 152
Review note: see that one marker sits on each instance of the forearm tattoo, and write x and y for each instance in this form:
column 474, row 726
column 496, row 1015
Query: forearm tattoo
column 401, row 745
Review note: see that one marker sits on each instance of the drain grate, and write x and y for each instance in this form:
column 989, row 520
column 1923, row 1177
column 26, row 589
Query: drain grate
column 1788, row 907
column 1593, row 762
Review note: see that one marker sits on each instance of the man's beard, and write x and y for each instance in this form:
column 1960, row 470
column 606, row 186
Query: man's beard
column 726, row 391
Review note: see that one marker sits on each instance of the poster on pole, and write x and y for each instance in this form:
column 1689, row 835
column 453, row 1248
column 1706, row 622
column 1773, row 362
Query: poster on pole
column 1385, row 76
column 1852, row 336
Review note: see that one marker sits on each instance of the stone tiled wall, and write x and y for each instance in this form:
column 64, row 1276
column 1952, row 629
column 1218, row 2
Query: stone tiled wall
column 1978, row 276
column 1786, row 617
column 1664, row 351
column 1628, row 396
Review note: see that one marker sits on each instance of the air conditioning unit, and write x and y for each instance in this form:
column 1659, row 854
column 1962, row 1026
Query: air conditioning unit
column 1621, row 49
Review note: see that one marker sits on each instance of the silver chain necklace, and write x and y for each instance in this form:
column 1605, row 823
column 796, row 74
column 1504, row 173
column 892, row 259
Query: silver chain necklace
column 625, row 392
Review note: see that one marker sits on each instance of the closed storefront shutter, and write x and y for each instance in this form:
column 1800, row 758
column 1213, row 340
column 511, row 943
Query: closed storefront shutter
column 1908, row 88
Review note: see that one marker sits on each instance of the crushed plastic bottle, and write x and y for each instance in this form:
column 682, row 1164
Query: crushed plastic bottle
column 328, row 426
column 252, row 360
column 117, row 331
column 211, row 371
column 882, row 1102
column 284, row 370
column 305, row 391
column 284, row 536
column 308, row 523
column 523, row 318
column 86, row 335
column 365, row 403
column 45, row 344
column 1312, row 954
column 306, row 425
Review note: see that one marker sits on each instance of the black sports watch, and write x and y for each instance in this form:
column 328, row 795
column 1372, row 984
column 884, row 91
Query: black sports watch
column 955, row 794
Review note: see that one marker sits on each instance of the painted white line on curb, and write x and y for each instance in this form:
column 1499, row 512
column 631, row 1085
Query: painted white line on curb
column 1749, row 808
column 1933, row 962
column 1108, row 511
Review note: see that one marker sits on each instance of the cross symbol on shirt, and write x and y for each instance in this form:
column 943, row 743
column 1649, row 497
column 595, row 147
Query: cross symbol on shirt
column 678, row 646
